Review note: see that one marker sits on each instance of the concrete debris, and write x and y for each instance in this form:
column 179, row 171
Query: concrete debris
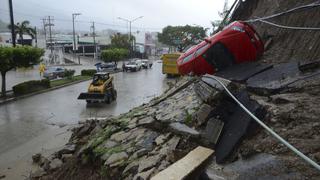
column 242, row 72
column 150, row 162
column 183, row 129
column 202, row 115
column 67, row 149
column 149, row 138
column 36, row 158
column 55, row 164
column 144, row 175
column 114, row 158
column 213, row 130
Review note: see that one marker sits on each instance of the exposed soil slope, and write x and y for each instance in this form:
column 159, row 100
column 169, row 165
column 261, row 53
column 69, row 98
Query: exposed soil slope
column 287, row 45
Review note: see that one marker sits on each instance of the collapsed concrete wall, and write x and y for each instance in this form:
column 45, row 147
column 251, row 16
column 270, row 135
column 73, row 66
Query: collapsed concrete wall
column 287, row 45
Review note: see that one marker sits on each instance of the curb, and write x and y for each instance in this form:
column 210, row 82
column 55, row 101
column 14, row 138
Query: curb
column 5, row 101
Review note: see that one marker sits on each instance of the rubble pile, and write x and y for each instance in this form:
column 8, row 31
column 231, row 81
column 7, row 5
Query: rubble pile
column 135, row 145
column 197, row 111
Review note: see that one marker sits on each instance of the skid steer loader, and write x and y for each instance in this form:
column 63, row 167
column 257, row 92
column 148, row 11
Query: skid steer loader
column 100, row 90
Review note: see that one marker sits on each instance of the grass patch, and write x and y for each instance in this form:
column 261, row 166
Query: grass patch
column 188, row 120
column 63, row 81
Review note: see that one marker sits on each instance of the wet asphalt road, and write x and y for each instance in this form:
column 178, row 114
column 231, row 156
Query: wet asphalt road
column 26, row 119
column 15, row 77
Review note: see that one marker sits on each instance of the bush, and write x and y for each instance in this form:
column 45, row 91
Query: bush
column 31, row 86
column 88, row 72
column 68, row 73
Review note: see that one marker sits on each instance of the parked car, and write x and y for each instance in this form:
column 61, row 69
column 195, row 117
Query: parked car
column 54, row 72
column 110, row 66
column 236, row 43
column 146, row 64
column 133, row 66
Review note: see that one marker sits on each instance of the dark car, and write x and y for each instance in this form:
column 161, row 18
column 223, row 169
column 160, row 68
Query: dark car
column 236, row 43
column 54, row 72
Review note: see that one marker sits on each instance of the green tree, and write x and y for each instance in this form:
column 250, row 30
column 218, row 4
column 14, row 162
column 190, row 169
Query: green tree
column 11, row 58
column 23, row 28
column 121, row 41
column 182, row 37
column 114, row 55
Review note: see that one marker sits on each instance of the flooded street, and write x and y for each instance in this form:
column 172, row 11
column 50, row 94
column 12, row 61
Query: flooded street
column 46, row 117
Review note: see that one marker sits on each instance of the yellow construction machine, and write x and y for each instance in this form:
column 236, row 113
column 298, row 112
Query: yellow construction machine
column 101, row 89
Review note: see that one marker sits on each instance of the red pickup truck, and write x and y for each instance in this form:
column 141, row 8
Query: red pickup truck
column 236, row 43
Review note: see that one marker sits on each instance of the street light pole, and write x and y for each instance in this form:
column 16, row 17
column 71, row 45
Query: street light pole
column 130, row 22
column 74, row 33
column 13, row 35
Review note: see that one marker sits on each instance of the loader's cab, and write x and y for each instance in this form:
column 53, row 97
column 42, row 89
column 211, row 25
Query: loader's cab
column 99, row 78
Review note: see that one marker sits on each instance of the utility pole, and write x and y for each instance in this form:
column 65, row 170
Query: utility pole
column 50, row 24
column 130, row 39
column 75, row 47
column 94, row 41
column 13, row 35
column 45, row 31
column 36, row 36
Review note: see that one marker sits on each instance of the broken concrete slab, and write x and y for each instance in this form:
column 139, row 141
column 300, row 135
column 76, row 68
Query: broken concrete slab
column 179, row 128
column 150, row 162
column 242, row 72
column 308, row 66
column 184, row 167
column 202, row 115
column 213, row 130
column 36, row 158
column 236, row 125
column 277, row 79
column 131, row 168
column 114, row 158
column 205, row 92
column 260, row 166
column 144, row 175
column 54, row 164
column 146, row 121
column 147, row 140
column 67, row 149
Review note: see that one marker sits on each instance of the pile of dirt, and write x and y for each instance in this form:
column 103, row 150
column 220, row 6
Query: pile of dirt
column 287, row 45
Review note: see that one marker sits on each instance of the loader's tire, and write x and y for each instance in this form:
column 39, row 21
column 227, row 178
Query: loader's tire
column 114, row 95
column 107, row 98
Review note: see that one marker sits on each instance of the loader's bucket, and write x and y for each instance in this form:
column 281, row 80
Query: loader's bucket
column 91, row 96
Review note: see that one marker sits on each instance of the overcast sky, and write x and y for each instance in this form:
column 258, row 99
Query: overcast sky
column 156, row 13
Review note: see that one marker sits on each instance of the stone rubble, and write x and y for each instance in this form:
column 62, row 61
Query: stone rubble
column 149, row 138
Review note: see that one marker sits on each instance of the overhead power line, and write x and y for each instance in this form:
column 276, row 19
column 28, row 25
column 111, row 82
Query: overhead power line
column 82, row 21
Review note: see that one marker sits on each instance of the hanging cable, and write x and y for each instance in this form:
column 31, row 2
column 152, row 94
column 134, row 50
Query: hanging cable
column 274, row 134
column 289, row 27
column 308, row 6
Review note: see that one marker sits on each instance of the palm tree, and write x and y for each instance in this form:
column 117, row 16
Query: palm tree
column 23, row 28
